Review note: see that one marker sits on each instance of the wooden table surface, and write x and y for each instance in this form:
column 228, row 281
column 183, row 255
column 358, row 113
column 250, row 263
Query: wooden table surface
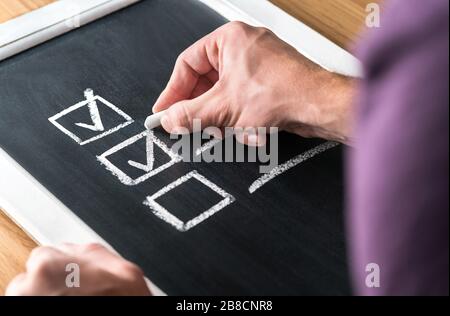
column 11, row 8
column 339, row 20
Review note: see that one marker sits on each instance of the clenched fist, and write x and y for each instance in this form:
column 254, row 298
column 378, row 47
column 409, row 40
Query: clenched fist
column 49, row 271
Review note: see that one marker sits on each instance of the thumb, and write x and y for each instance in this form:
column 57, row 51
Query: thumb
column 179, row 118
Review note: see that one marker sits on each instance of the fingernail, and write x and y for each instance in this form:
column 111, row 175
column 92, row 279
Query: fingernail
column 252, row 140
column 179, row 130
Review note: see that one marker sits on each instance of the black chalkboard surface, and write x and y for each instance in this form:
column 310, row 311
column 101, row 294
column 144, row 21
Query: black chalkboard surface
column 285, row 238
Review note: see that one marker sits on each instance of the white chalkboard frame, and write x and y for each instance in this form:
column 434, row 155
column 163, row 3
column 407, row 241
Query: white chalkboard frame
column 41, row 25
column 45, row 218
column 57, row 18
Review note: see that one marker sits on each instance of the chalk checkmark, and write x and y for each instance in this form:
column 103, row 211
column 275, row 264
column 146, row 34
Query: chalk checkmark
column 150, row 156
column 97, row 125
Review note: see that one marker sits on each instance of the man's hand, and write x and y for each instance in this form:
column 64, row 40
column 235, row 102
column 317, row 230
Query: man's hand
column 101, row 273
column 242, row 76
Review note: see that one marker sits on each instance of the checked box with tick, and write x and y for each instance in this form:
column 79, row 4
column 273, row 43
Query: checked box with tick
column 134, row 160
column 91, row 119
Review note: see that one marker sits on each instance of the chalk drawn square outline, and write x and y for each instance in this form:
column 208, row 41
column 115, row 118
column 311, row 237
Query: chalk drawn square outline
column 54, row 118
column 162, row 213
column 122, row 176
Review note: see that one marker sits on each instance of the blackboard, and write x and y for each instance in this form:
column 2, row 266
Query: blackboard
column 285, row 238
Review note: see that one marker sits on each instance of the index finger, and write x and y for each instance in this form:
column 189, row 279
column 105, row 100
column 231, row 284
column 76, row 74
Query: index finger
column 198, row 60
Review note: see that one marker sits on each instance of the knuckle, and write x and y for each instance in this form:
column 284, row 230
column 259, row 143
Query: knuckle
column 181, row 58
column 263, row 30
column 237, row 28
column 38, row 251
column 237, row 24
column 41, row 265
column 92, row 247
column 41, row 261
column 40, row 255
column 131, row 271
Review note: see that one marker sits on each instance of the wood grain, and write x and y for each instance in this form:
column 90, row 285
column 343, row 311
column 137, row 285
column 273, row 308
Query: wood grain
column 15, row 247
column 12, row 8
column 339, row 20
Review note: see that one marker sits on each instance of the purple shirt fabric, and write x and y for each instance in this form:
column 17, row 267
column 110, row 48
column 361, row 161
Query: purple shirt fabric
column 398, row 170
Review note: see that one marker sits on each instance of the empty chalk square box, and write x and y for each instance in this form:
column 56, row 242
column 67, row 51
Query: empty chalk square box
column 91, row 119
column 222, row 199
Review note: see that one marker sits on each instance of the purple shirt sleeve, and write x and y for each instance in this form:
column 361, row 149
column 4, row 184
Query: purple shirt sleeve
column 398, row 170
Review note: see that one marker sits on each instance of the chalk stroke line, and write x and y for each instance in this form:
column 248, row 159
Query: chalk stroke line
column 93, row 111
column 207, row 146
column 150, row 172
column 275, row 172
column 171, row 219
column 150, row 155
column 54, row 118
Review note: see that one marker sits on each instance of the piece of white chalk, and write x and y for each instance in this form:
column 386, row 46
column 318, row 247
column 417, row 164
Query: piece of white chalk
column 154, row 120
